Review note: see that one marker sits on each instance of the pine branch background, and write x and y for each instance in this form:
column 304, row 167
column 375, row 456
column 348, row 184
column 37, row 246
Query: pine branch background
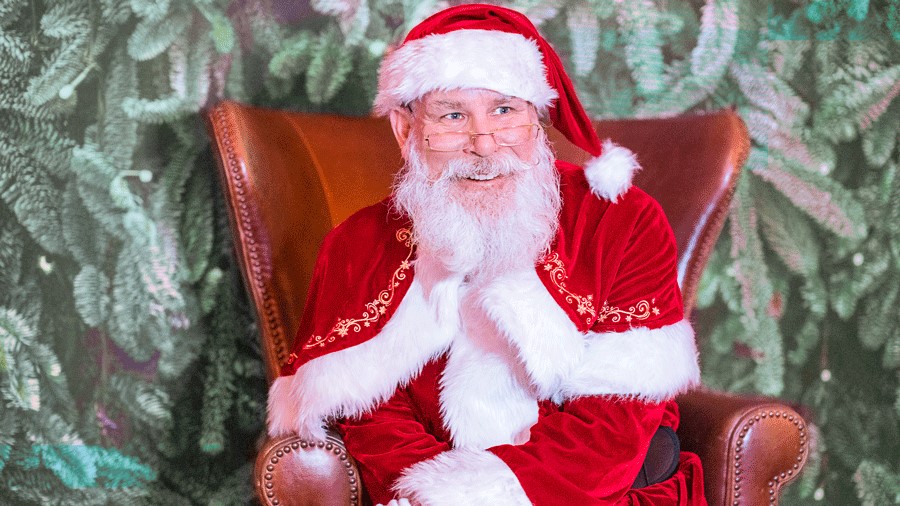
column 129, row 366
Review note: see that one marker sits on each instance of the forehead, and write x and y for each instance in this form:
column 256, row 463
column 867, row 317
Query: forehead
column 468, row 99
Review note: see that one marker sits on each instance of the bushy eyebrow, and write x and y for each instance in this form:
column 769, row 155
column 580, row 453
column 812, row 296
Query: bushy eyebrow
column 456, row 105
column 505, row 99
column 447, row 104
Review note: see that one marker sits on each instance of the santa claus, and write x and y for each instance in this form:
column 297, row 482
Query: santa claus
column 504, row 328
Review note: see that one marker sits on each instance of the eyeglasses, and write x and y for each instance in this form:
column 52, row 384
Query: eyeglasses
column 506, row 137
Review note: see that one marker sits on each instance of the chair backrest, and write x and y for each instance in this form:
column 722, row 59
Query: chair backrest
column 291, row 177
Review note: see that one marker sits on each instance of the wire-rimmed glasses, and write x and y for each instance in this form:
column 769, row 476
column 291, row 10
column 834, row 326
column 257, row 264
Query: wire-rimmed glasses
column 506, row 137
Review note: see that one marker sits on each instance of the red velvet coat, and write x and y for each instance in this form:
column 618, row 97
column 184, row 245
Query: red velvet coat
column 543, row 386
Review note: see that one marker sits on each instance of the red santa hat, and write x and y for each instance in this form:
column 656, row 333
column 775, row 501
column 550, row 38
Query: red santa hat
column 491, row 47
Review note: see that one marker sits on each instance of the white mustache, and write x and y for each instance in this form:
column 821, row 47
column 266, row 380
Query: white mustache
column 484, row 169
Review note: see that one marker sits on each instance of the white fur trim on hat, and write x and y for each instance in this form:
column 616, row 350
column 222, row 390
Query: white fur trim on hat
column 610, row 174
column 461, row 476
column 507, row 63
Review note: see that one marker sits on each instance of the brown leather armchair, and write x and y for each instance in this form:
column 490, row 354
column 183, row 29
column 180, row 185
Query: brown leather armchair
column 291, row 177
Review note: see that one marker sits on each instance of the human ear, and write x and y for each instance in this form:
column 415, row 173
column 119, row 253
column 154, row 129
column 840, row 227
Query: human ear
column 401, row 123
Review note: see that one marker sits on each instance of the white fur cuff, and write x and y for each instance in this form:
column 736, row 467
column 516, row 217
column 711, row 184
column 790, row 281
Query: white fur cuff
column 461, row 477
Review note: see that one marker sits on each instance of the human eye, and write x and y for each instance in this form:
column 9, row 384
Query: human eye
column 453, row 119
column 503, row 110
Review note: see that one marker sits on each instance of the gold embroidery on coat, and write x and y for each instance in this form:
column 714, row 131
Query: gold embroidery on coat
column 375, row 309
column 584, row 304
column 641, row 311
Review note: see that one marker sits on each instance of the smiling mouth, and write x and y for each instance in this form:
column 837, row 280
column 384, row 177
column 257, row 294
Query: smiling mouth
column 483, row 177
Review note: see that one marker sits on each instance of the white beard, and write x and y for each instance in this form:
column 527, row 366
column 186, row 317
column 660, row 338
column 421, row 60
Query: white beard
column 481, row 234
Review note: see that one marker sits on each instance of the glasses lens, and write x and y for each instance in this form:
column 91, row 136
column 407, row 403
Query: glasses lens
column 449, row 141
column 455, row 141
column 514, row 136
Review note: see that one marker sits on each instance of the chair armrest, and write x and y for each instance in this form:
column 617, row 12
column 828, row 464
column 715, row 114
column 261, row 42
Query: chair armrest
column 750, row 446
column 292, row 471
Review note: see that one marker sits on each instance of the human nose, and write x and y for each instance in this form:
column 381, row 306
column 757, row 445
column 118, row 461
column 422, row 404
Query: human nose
column 481, row 142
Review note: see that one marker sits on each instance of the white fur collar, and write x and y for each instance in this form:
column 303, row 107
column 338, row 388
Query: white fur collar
column 563, row 363
column 517, row 347
column 544, row 339
column 356, row 379
column 610, row 174
column 485, row 396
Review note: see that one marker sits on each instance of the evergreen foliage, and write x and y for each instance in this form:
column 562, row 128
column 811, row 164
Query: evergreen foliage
column 129, row 369
column 108, row 242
